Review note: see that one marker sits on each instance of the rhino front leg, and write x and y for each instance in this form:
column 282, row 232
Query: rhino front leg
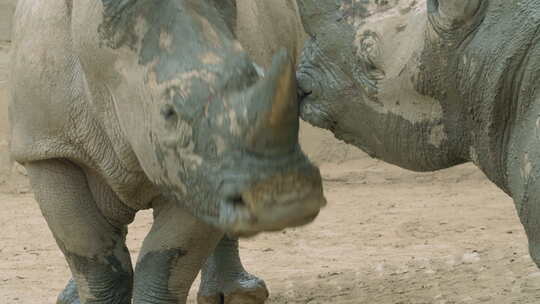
column 523, row 160
column 94, row 249
column 172, row 254
column 525, row 189
column 224, row 279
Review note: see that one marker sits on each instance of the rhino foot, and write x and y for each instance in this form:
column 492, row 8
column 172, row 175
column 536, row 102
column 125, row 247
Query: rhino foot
column 243, row 289
column 69, row 295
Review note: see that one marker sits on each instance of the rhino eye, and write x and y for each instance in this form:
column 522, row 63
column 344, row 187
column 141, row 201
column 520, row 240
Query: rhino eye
column 169, row 113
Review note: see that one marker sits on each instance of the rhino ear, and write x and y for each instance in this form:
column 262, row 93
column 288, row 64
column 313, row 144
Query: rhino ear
column 456, row 12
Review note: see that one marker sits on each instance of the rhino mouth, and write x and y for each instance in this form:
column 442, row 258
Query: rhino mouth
column 286, row 197
column 295, row 212
column 311, row 108
column 311, row 80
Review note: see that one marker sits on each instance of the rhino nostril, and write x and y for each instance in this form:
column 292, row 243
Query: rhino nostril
column 303, row 93
column 168, row 112
column 307, row 86
column 236, row 201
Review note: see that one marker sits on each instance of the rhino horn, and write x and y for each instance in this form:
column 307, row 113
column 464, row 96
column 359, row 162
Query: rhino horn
column 275, row 123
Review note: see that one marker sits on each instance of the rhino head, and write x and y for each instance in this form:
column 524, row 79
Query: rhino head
column 383, row 75
column 205, row 124
column 422, row 84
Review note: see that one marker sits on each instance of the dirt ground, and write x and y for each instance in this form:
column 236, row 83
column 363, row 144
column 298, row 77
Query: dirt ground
column 387, row 236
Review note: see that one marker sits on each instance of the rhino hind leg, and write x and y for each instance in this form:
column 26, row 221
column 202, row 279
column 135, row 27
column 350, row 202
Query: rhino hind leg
column 225, row 281
column 94, row 249
column 69, row 295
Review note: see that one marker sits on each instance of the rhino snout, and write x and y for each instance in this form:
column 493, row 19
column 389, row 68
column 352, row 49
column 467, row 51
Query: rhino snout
column 313, row 107
column 280, row 200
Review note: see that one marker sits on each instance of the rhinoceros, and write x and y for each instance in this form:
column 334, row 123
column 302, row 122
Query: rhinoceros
column 430, row 84
column 124, row 105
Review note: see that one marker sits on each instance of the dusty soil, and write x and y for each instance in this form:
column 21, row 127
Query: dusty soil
column 388, row 236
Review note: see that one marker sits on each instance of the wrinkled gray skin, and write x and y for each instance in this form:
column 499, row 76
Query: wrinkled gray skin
column 123, row 105
column 429, row 84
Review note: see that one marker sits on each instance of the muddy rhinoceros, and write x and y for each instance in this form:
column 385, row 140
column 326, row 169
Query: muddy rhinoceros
column 427, row 85
column 123, row 105
column 430, row 84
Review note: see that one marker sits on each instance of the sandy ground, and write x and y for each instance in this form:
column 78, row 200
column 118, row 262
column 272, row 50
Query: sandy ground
column 388, row 236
